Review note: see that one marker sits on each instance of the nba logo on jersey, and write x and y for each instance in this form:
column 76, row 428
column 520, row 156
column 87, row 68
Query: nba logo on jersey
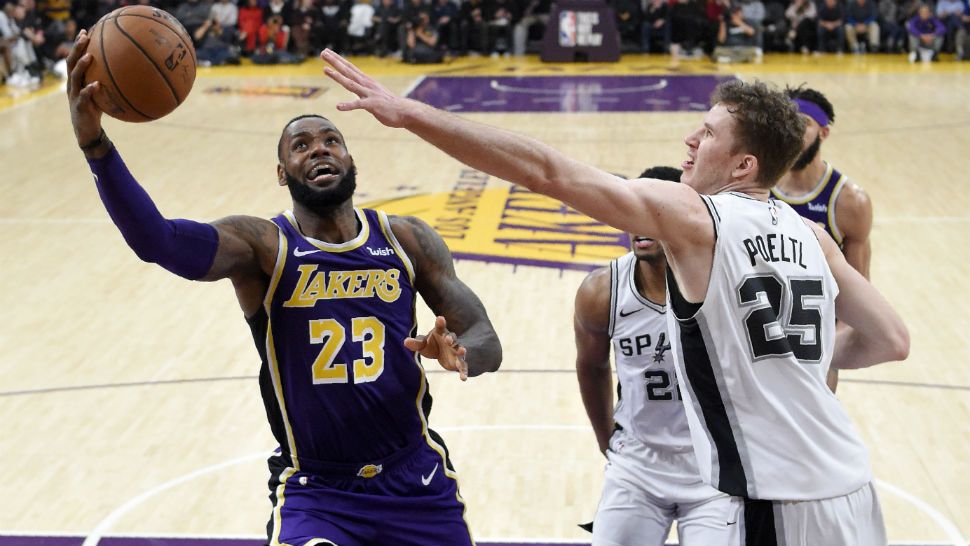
column 567, row 28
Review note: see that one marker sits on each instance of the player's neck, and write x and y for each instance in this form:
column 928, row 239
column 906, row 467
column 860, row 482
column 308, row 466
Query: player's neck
column 798, row 183
column 338, row 226
column 650, row 278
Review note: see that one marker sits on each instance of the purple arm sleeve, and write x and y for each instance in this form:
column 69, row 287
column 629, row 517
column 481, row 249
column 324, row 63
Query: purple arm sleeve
column 183, row 247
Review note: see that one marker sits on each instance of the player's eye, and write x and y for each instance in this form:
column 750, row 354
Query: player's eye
column 299, row 145
column 333, row 140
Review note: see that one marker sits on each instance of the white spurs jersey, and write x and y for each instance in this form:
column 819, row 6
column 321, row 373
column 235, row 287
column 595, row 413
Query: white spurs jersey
column 752, row 360
column 650, row 406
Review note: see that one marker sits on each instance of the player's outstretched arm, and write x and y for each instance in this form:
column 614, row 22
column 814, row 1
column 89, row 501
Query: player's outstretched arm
column 875, row 332
column 853, row 212
column 463, row 338
column 234, row 247
column 591, row 324
column 662, row 210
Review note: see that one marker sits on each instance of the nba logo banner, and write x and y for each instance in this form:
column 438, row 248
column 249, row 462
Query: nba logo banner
column 567, row 28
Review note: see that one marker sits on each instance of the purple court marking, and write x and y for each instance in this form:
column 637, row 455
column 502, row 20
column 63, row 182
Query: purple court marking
column 671, row 93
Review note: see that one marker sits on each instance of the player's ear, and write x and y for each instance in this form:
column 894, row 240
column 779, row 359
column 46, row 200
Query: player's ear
column 746, row 167
column 823, row 132
column 280, row 174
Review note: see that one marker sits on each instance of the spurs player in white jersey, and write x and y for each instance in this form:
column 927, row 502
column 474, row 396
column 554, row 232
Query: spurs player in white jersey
column 651, row 476
column 751, row 358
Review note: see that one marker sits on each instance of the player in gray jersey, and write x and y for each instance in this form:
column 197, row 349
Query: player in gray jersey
column 651, row 476
column 770, row 340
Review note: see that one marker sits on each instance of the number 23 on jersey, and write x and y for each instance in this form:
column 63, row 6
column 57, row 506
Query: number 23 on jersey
column 368, row 331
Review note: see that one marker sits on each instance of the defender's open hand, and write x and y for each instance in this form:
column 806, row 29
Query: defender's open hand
column 387, row 107
column 443, row 346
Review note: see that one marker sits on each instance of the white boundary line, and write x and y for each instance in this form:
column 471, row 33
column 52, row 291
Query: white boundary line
column 101, row 529
column 948, row 527
column 414, row 85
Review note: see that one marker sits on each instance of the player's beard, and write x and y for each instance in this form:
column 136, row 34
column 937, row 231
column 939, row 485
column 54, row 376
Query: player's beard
column 808, row 155
column 322, row 201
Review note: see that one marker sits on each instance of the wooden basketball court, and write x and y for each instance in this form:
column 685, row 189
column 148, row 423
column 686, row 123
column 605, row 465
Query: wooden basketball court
column 128, row 397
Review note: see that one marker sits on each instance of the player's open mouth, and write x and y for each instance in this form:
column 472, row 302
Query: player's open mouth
column 688, row 164
column 322, row 174
column 643, row 243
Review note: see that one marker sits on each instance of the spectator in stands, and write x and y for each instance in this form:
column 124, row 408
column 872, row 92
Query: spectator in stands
column 422, row 42
column 891, row 33
column 54, row 10
column 500, row 16
column 193, row 14
column 533, row 23
column 963, row 33
column 271, row 44
column 250, row 21
column 803, row 31
column 217, row 45
column 925, row 35
column 226, row 13
column 19, row 52
column 688, row 24
column 387, row 19
column 628, row 16
column 360, row 26
column 278, row 7
column 775, row 32
column 737, row 40
column 830, row 30
column 656, row 25
column 335, row 19
column 753, row 13
column 862, row 20
column 59, row 39
column 474, row 29
column 444, row 18
column 950, row 13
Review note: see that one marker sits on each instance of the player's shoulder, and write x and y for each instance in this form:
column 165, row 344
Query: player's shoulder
column 593, row 300
column 853, row 199
column 250, row 228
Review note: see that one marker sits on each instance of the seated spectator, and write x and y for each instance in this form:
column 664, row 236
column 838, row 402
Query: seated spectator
column 271, row 43
column 226, row 13
column 963, row 34
column 688, row 25
column 59, row 42
column 193, row 14
column 830, row 29
column 54, row 10
column 656, row 25
column 803, row 31
column 422, row 42
column 277, row 7
column 531, row 26
column 925, row 35
column 306, row 24
column 359, row 27
column 775, row 30
column 500, row 16
column 19, row 53
column 217, row 45
column 444, row 18
column 387, row 20
column 335, row 20
column 891, row 33
column 862, row 20
column 736, row 39
column 753, row 13
column 250, row 21
column 474, row 29
column 628, row 16
column 950, row 13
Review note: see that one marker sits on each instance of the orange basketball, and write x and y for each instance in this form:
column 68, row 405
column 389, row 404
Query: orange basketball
column 145, row 62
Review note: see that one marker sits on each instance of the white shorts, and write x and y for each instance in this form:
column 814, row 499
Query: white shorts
column 646, row 489
column 850, row 520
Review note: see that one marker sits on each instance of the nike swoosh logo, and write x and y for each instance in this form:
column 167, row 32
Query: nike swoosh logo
column 730, row 523
column 427, row 480
column 297, row 252
column 622, row 314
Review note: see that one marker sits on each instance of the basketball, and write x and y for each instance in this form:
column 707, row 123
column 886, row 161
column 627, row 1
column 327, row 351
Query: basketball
column 145, row 62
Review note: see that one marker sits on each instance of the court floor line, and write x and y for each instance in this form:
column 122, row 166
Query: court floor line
column 166, row 382
column 101, row 529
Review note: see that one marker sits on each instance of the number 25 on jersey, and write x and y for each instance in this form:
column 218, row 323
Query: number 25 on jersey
column 368, row 331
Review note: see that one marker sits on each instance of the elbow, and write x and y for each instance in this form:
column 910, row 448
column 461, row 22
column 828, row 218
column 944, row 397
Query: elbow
column 496, row 361
column 900, row 345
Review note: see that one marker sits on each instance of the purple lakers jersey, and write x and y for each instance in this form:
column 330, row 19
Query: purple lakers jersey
column 818, row 205
column 338, row 384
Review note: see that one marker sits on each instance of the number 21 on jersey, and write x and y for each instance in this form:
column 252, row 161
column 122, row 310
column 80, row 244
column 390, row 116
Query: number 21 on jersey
column 368, row 331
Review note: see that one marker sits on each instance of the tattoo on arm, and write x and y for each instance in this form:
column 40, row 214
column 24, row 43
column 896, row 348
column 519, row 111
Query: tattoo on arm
column 247, row 246
column 448, row 296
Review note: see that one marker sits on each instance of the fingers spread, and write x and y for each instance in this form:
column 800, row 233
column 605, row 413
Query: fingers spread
column 345, row 82
column 416, row 344
column 80, row 46
column 77, row 74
